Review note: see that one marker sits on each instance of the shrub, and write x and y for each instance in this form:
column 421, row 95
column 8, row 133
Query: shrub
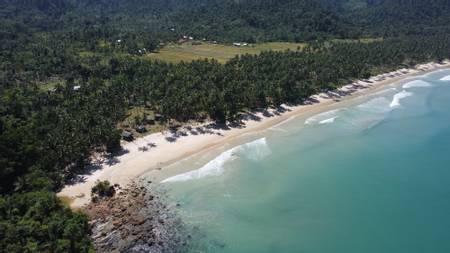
column 102, row 189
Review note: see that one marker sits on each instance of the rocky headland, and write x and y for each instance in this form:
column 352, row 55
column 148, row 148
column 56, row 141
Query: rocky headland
column 136, row 219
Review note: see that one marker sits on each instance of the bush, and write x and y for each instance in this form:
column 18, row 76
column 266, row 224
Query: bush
column 102, row 189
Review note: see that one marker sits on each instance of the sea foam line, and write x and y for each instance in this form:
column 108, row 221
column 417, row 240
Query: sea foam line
column 399, row 96
column 416, row 84
column 254, row 150
column 445, row 78
column 328, row 121
column 323, row 118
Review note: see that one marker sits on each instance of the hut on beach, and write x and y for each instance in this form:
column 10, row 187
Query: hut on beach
column 127, row 135
column 141, row 129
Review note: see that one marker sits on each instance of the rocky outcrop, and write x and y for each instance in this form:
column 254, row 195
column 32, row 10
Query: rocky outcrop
column 135, row 220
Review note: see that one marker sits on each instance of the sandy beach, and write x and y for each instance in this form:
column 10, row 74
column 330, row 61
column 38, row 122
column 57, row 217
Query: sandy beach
column 156, row 151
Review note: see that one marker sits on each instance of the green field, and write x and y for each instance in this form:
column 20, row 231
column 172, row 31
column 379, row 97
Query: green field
column 222, row 53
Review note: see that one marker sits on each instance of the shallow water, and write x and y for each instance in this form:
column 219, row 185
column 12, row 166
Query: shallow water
column 371, row 177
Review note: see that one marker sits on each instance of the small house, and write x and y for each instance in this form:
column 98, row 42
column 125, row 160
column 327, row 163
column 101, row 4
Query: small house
column 128, row 136
column 141, row 129
column 77, row 87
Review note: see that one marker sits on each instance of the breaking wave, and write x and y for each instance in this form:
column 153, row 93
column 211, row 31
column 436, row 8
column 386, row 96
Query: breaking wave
column 323, row 118
column 328, row 121
column 416, row 84
column 399, row 96
column 254, row 150
column 445, row 78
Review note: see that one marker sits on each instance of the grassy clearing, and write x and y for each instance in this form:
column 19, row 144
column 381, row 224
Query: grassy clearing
column 50, row 84
column 188, row 52
column 362, row 40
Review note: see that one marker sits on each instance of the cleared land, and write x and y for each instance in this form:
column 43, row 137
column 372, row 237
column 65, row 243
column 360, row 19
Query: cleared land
column 188, row 51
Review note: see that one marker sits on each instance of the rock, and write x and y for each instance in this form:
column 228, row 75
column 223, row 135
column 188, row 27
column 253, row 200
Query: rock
column 117, row 223
column 136, row 220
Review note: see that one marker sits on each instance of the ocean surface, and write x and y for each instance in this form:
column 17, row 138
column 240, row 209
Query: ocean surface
column 371, row 175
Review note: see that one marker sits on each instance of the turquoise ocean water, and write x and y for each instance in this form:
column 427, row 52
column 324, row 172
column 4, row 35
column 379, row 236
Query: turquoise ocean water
column 373, row 176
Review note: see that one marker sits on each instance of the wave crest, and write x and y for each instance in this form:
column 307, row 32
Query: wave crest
column 323, row 118
column 399, row 96
column 328, row 121
column 254, row 150
column 416, row 84
column 445, row 78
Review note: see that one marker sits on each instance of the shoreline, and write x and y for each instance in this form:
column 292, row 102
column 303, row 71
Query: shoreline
column 155, row 151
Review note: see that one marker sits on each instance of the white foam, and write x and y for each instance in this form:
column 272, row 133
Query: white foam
column 328, row 121
column 416, row 84
column 254, row 150
column 317, row 119
column 399, row 96
column 212, row 168
column 445, row 78
column 376, row 105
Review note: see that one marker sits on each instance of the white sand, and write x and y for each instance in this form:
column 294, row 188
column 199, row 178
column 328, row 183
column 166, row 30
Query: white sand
column 137, row 161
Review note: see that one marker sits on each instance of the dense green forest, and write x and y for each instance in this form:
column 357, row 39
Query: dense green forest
column 71, row 69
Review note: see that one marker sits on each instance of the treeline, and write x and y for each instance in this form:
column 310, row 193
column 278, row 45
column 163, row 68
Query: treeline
column 208, row 89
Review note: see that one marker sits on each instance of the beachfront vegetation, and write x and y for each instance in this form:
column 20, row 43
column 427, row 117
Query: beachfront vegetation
column 102, row 189
column 71, row 71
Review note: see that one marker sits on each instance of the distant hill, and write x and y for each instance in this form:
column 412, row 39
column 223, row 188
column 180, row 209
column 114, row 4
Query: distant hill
column 242, row 20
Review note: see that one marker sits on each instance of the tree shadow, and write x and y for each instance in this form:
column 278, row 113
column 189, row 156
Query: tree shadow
column 92, row 166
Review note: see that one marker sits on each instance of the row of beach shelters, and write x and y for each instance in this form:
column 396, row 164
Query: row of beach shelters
column 128, row 135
